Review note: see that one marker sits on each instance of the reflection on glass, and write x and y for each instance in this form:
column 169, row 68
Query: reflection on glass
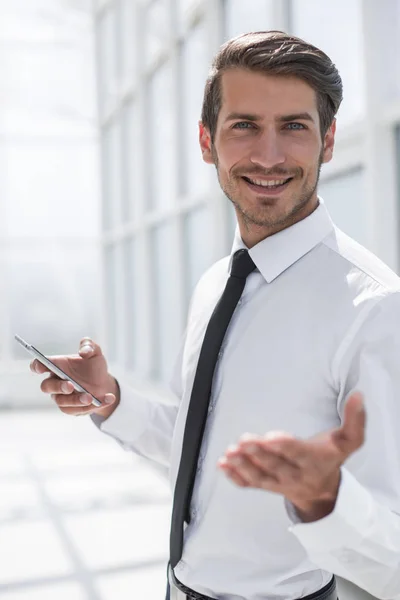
column 193, row 171
column 241, row 16
column 161, row 184
column 197, row 250
column 336, row 28
column 344, row 197
column 166, row 318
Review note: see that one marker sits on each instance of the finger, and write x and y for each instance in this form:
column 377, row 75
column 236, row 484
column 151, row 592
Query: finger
column 232, row 450
column 288, row 448
column 55, row 385
column 37, row 367
column 244, row 467
column 251, row 475
column 351, row 435
column 260, row 472
column 271, row 464
column 233, row 475
column 76, row 411
column 72, row 400
column 88, row 348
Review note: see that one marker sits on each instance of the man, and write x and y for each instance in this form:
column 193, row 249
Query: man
column 279, row 479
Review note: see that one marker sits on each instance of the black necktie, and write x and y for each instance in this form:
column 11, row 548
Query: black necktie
column 242, row 266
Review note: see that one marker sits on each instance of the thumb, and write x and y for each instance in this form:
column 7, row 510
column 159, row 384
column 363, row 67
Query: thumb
column 350, row 436
column 88, row 348
column 109, row 399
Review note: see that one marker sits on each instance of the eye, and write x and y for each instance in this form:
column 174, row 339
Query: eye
column 295, row 126
column 243, row 125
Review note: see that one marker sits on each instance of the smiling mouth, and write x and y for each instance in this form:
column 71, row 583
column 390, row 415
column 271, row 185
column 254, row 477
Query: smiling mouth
column 263, row 185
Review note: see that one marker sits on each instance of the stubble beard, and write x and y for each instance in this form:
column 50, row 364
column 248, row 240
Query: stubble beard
column 262, row 220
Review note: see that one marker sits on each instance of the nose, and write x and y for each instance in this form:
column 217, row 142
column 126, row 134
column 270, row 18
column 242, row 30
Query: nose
column 267, row 150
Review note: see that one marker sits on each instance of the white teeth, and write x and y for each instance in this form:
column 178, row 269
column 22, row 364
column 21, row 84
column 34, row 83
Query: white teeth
column 267, row 183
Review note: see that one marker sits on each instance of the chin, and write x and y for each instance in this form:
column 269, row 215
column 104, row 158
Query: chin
column 268, row 214
column 273, row 211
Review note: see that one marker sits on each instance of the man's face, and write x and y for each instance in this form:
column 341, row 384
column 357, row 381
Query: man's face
column 268, row 148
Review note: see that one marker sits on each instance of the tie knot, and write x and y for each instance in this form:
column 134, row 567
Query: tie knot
column 242, row 264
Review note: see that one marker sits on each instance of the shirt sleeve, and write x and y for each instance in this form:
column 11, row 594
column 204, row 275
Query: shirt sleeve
column 144, row 420
column 360, row 539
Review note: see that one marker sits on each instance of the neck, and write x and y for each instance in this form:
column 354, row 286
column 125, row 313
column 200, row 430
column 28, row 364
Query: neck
column 252, row 234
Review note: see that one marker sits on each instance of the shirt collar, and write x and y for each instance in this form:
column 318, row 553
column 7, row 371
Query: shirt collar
column 278, row 252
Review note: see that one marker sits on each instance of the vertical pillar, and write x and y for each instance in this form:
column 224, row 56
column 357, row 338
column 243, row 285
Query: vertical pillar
column 379, row 28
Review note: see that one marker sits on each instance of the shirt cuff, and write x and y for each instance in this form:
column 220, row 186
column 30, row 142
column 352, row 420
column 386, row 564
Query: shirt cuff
column 345, row 526
column 128, row 422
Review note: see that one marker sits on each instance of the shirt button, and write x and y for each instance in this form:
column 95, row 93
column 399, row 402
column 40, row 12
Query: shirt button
column 240, row 301
column 200, row 464
column 210, row 408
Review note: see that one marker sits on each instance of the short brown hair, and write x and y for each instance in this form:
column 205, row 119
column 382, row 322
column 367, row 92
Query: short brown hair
column 274, row 53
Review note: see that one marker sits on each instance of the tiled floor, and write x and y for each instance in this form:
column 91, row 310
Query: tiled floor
column 80, row 518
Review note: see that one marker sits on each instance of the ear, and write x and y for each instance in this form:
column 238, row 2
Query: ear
column 329, row 142
column 205, row 144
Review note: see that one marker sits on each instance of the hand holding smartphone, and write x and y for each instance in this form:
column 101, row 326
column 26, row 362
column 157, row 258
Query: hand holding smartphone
column 54, row 369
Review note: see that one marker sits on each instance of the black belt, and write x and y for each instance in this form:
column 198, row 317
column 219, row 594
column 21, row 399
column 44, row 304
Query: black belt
column 328, row 592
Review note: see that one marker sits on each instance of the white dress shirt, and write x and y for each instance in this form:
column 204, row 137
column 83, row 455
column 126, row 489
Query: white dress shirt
column 318, row 319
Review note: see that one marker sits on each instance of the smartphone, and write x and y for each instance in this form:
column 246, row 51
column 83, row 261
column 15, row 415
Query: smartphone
column 54, row 369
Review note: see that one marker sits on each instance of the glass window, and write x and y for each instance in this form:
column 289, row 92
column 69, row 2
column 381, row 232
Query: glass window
column 197, row 247
column 127, row 40
column 344, row 197
column 108, row 57
column 336, row 28
column 130, row 162
column 167, row 318
column 59, row 182
column 185, row 8
column 241, row 16
column 138, row 353
column 132, row 292
column 112, row 175
column 114, row 288
column 63, row 279
column 110, row 257
column 193, row 171
column 162, row 180
column 158, row 28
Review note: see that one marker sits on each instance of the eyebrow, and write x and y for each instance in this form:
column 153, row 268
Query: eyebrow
column 304, row 116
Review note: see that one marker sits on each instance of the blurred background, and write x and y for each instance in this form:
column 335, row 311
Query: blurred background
column 104, row 201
